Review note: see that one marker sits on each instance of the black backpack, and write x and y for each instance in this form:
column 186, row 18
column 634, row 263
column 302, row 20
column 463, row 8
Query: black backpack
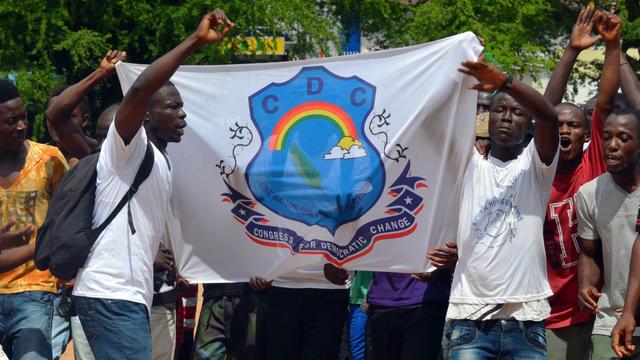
column 66, row 236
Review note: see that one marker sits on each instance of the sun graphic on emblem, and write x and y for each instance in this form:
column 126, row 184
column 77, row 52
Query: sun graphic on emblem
column 347, row 148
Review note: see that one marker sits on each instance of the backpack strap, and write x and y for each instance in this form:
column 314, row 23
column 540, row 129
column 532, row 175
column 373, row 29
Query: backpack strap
column 143, row 173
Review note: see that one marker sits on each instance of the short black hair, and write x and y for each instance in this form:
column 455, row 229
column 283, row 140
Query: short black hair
column 154, row 96
column 84, row 106
column 587, row 121
column 627, row 111
column 8, row 91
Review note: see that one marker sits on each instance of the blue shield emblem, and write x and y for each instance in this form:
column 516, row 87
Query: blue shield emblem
column 315, row 164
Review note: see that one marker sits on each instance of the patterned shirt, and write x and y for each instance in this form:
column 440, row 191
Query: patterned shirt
column 27, row 201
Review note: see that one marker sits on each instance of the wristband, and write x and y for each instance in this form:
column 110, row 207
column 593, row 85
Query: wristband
column 507, row 84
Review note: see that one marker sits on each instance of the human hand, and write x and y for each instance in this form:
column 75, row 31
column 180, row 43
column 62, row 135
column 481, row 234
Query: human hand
column 444, row 257
column 10, row 239
column 609, row 26
column 427, row 276
column 483, row 146
column 257, row 283
column 490, row 77
column 108, row 63
column 335, row 275
column 209, row 31
column 622, row 335
column 588, row 299
column 164, row 261
column 581, row 37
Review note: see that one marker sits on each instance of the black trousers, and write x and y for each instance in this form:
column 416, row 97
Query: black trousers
column 304, row 324
column 407, row 332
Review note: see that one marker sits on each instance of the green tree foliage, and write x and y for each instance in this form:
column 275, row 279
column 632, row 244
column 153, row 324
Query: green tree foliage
column 48, row 43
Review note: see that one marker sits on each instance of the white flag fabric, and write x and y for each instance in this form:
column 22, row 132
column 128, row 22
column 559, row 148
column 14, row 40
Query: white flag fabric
column 353, row 160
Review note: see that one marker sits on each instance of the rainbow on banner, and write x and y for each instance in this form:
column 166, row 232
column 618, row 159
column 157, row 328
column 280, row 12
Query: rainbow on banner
column 310, row 110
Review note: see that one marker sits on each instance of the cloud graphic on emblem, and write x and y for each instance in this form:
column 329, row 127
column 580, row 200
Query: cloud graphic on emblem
column 336, row 153
column 355, row 151
column 347, row 148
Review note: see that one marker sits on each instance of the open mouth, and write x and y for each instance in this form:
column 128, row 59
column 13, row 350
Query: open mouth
column 565, row 143
column 611, row 159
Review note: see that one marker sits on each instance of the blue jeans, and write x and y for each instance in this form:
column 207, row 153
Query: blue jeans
column 357, row 330
column 115, row 329
column 60, row 329
column 25, row 324
column 497, row 339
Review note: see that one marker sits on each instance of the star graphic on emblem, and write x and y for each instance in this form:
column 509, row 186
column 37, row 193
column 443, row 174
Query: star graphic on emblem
column 242, row 212
column 408, row 200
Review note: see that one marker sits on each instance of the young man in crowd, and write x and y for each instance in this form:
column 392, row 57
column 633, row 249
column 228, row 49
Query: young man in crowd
column 29, row 173
column 499, row 290
column 607, row 208
column 569, row 328
column 114, row 288
column 68, row 111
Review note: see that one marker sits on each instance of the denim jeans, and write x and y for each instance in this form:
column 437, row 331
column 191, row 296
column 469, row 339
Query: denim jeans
column 25, row 324
column 115, row 329
column 497, row 339
column 60, row 329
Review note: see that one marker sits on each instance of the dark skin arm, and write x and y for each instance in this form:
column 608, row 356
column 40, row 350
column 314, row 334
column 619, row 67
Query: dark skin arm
column 609, row 26
column 11, row 239
column 131, row 113
column 545, row 132
column 589, row 274
column 59, row 112
column 622, row 333
column 580, row 39
column 11, row 258
column 629, row 83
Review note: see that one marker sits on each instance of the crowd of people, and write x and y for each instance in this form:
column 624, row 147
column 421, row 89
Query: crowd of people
column 546, row 263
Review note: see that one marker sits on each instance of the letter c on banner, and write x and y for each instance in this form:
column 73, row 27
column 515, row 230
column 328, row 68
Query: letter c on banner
column 354, row 101
column 265, row 104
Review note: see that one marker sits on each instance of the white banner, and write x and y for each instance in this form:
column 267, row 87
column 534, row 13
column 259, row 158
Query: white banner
column 353, row 160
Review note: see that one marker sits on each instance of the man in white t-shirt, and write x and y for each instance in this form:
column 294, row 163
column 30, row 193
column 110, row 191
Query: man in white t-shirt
column 499, row 289
column 114, row 289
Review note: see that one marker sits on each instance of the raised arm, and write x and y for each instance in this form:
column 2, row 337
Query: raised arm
column 545, row 134
column 629, row 83
column 59, row 112
column 580, row 39
column 130, row 115
column 609, row 26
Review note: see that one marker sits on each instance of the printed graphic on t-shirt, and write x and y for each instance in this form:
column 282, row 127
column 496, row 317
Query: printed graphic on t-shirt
column 564, row 253
column 20, row 205
column 638, row 222
column 495, row 224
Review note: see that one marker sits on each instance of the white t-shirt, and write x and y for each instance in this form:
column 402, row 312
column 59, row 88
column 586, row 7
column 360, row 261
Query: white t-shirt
column 500, row 244
column 120, row 264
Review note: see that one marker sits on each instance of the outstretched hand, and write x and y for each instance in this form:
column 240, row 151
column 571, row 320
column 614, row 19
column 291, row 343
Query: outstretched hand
column 490, row 77
column 108, row 63
column 609, row 26
column 581, row 37
column 213, row 27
